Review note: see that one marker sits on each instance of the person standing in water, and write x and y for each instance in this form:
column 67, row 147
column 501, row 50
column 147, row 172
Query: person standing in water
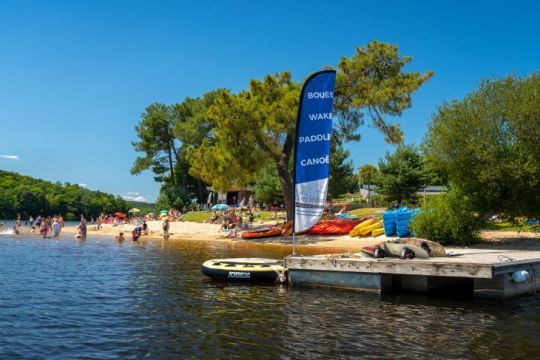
column 145, row 227
column 166, row 226
column 55, row 227
column 119, row 238
column 82, row 228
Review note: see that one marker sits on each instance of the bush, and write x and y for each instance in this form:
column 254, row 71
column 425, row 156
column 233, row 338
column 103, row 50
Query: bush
column 447, row 219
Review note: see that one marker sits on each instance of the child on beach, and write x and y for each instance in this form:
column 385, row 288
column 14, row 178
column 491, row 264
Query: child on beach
column 82, row 228
column 43, row 229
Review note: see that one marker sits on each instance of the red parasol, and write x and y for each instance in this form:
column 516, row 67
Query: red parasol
column 120, row 215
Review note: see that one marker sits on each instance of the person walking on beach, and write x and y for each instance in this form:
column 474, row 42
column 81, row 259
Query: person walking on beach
column 166, row 226
column 82, row 228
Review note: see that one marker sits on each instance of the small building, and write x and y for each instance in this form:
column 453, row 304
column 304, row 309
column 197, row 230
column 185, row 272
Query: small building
column 371, row 190
column 232, row 197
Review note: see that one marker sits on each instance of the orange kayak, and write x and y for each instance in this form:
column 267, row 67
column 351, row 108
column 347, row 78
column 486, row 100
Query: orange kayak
column 262, row 233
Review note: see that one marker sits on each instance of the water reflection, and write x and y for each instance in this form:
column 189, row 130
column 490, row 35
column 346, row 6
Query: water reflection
column 100, row 299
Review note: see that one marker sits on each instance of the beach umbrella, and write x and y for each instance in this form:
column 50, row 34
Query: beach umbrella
column 120, row 215
column 134, row 210
column 164, row 212
column 220, row 207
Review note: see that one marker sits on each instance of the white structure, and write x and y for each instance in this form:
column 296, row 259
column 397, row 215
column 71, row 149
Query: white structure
column 370, row 190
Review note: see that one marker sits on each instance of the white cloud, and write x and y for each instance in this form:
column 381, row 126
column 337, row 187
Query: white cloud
column 10, row 157
column 83, row 185
column 134, row 196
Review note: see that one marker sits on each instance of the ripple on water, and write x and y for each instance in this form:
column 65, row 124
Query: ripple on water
column 103, row 300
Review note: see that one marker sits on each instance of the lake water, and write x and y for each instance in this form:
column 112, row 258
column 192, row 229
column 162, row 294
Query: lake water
column 100, row 300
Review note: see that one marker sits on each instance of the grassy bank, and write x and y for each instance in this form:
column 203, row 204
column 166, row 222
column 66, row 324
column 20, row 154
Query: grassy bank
column 363, row 212
column 509, row 226
column 202, row 216
column 197, row 216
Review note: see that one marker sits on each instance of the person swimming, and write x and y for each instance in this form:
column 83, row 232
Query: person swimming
column 119, row 238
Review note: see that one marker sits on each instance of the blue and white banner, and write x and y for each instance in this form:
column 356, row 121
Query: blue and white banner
column 312, row 148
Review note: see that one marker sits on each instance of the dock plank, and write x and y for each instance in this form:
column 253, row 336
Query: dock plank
column 474, row 263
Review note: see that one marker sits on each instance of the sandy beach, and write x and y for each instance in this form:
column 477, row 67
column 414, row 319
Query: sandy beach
column 210, row 232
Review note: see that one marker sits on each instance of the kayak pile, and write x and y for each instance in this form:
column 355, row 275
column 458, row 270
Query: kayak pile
column 371, row 226
column 334, row 227
column 396, row 222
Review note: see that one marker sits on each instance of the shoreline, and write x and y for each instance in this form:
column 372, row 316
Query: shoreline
column 193, row 231
column 185, row 230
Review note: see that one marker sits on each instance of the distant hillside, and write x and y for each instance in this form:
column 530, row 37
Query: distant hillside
column 27, row 196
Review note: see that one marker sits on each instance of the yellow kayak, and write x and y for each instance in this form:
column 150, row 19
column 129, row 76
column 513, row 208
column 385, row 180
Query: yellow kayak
column 358, row 228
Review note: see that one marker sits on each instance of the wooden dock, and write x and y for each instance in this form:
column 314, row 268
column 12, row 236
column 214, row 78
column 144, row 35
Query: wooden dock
column 485, row 273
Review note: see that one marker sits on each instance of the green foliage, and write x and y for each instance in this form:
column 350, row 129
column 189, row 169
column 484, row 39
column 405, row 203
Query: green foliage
column 266, row 187
column 373, row 82
column 342, row 179
column 156, row 141
column 447, row 219
column 27, row 196
column 173, row 197
column 253, row 129
column 401, row 174
column 197, row 216
column 487, row 146
column 229, row 138
column 368, row 174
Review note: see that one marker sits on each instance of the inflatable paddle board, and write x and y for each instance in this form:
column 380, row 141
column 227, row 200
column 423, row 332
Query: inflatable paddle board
column 243, row 269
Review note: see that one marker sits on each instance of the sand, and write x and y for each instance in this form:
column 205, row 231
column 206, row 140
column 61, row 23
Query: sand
column 210, row 232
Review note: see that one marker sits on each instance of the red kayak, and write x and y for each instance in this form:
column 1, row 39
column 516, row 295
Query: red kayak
column 333, row 227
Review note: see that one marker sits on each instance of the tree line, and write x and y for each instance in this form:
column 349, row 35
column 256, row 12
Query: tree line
column 484, row 149
column 227, row 139
column 27, row 196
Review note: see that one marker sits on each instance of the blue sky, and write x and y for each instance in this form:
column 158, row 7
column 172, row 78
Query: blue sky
column 76, row 75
